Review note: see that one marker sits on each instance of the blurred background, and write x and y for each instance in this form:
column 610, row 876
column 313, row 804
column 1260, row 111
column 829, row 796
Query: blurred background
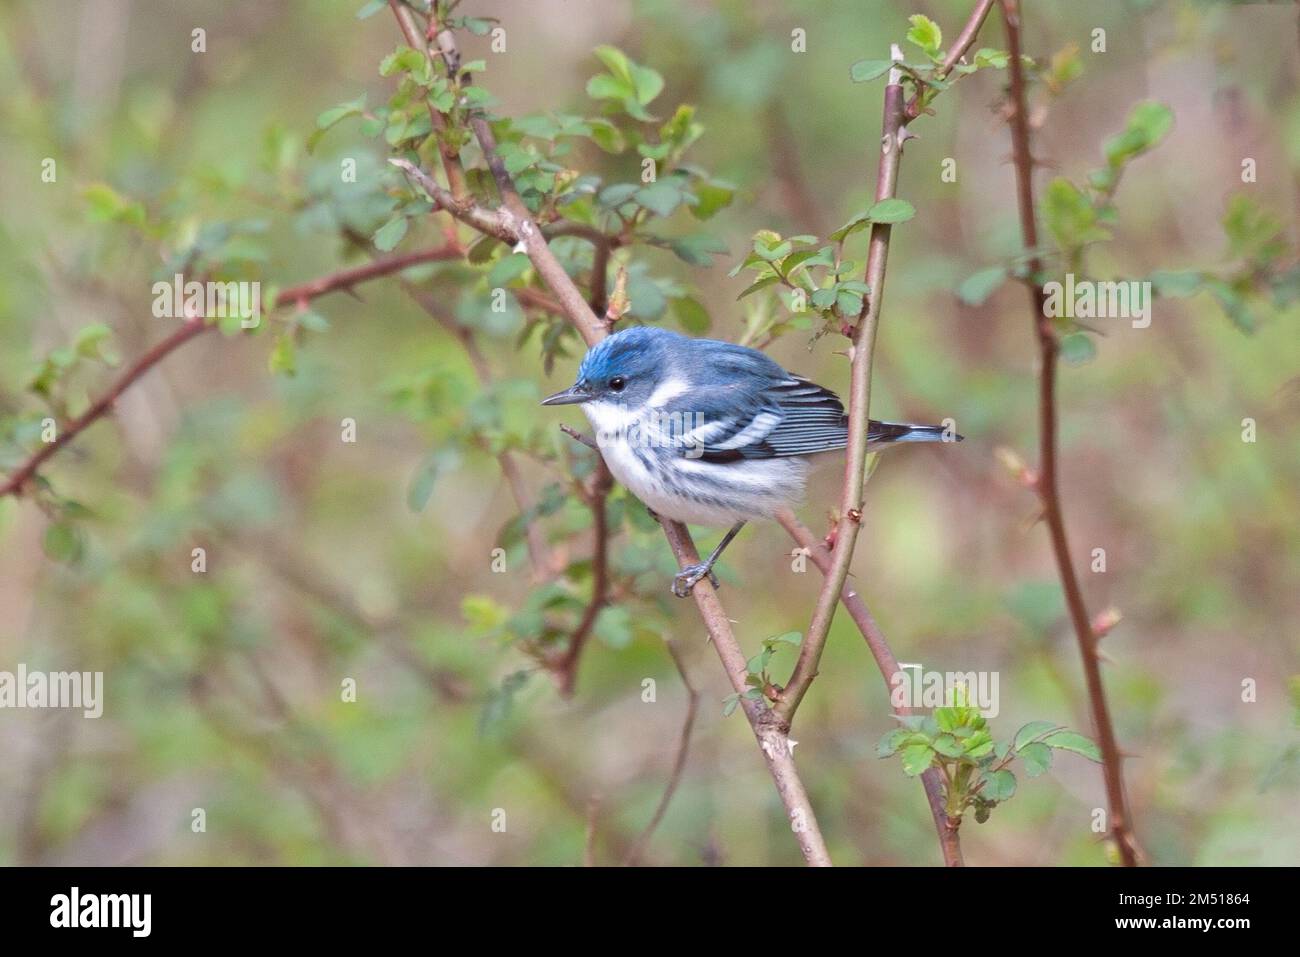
column 373, row 560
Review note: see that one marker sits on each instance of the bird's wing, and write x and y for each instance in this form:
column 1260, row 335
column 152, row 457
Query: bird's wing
column 791, row 416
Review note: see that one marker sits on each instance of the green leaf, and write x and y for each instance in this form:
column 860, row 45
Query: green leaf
column 988, row 57
column 891, row 741
column 617, row 194
column 1030, row 731
column 999, row 786
column 1074, row 741
column 331, row 116
column 713, row 197
column 1176, row 283
column 917, row 758
column 729, row 704
column 977, row 287
column 866, row 70
column 1077, row 348
column 949, row 746
column 660, row 198
column 759, row 284
column 419, row 488
column 93, row 342
column 607, row 136
column 390, row 234
column 1037, row 757
column 507, row 269
column 407, row 60
column 1147, row 126
column 697, row 248
column 891, row 211
column 371, row 8
column 63, row 542
column 691, row 315
column 925, row 33
column 106, row 205
column 281, row 360
column 1070, row 216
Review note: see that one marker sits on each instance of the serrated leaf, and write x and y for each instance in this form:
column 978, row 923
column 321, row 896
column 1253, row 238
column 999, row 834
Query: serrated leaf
column 758, row 285
column 891, row 741
column 1077, row 348
column 866, row 70
column 999, row 786
column 1066, row 740
column 390, row 234
column 977, row 287
column 691, row 315
column 891, row 211
column 1030, row 731
column 925, row 33
column 661, row 198
column 1037, row 757
column 917, row 758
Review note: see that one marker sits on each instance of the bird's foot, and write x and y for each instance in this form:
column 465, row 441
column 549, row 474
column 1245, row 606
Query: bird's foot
column 686, row 579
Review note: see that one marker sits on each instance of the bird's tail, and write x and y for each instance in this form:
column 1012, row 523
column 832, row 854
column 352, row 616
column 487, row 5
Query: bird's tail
column 884, row 433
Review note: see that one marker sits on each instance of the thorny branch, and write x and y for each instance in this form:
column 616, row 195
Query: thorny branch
column 1047, row 484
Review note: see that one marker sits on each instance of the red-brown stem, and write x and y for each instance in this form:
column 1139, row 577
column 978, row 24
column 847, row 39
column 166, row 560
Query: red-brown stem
column 1048, row 483
column 451, row 164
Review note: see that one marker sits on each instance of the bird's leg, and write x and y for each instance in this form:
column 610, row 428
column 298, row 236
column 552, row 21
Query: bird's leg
column 685, row 580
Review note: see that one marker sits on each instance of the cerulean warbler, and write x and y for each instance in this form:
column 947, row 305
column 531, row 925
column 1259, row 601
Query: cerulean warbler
column 711, row 433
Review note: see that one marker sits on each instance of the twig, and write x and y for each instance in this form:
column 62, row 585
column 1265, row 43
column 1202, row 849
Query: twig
column 1048, row 484
column 679, row 762
column 965, row 40
column 864, row 338
column 192, row 327
column 20, row 476
column 539, row 554
column 565, row 666
column 949, row 842
column 772, row 733
column 451, row 164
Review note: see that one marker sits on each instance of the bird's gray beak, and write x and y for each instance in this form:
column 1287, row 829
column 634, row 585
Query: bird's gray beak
column 578, row 392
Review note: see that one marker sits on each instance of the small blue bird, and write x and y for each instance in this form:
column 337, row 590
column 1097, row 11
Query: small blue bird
column 711, row 433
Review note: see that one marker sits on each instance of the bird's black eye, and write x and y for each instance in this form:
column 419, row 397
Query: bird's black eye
column 617, row 383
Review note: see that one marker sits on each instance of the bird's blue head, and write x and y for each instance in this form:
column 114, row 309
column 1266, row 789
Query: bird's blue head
column 624, row 369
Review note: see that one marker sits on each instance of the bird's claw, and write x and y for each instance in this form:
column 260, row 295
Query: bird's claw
column 685, row 580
